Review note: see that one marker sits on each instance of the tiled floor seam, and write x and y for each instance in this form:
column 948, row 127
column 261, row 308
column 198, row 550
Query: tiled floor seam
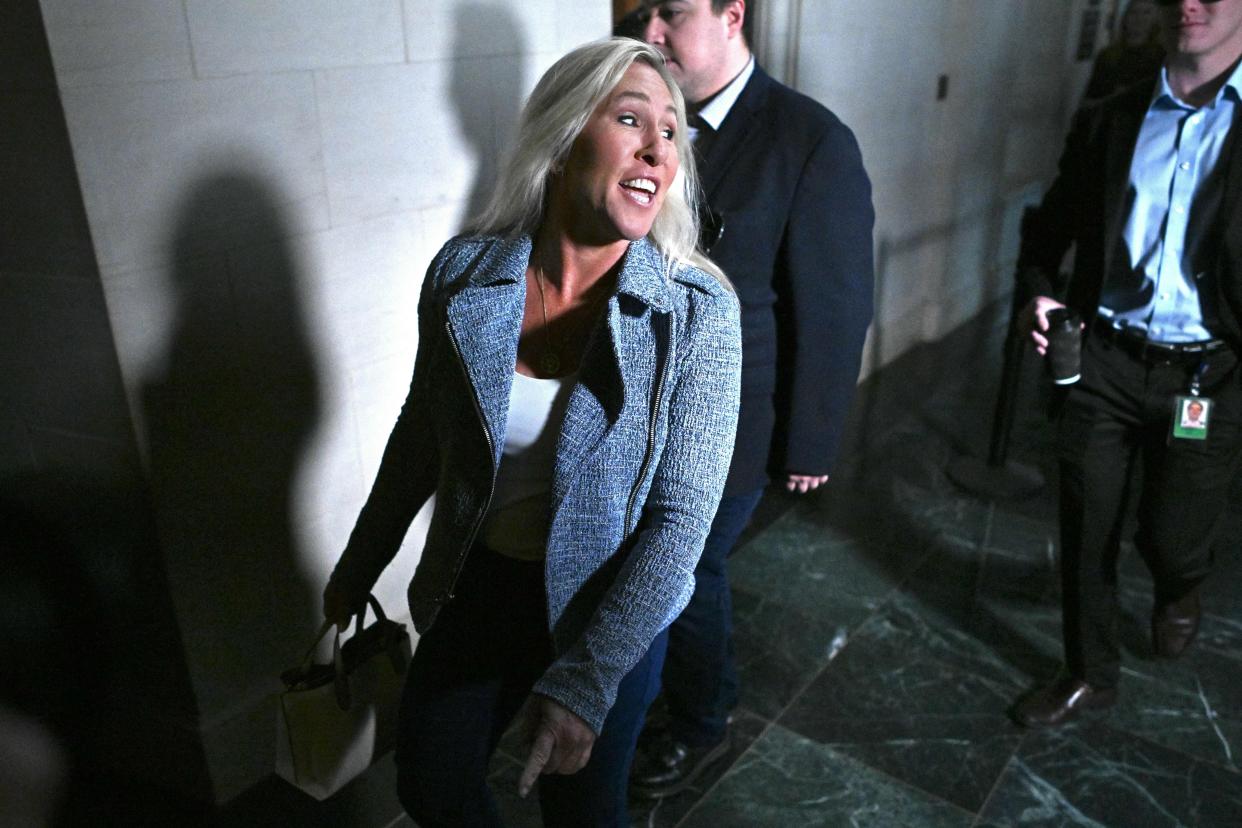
column 849, row 759
column 929, row 550
column 707, row 791
column 1142, row 737
column 996, row 783
column 794, row 698
column 766, row 728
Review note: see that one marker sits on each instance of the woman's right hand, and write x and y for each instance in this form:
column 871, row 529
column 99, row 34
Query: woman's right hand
column 561, row 741
column 336, row 606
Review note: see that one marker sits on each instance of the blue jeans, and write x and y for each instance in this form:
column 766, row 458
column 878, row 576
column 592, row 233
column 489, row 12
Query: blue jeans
column 700, row 677
column 470, row 675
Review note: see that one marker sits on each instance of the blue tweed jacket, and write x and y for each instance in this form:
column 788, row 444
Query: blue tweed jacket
column 640, row 464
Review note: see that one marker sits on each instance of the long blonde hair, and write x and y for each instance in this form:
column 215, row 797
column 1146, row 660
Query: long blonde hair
column 554, row 117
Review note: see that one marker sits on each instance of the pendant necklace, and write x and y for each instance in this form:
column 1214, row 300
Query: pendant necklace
column 549, row 360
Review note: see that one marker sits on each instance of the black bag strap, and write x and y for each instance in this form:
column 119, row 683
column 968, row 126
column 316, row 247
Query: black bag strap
column 393, row 633
column 362, row 613
column 393, row 636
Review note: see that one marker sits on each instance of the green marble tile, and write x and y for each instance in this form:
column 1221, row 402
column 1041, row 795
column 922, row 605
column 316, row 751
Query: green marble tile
column 919, row 699
column 788, row 781
column 818, row 570
column 1170, row 705
column 956, row 758
column 778, row 651
column 967, row 658
column 1091, row 774
column 1023, row 537
column 669, row 811
column 1219, row 641
column 900, row 664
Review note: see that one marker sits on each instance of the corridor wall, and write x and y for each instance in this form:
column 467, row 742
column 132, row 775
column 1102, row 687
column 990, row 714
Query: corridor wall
column 259, row 188
column 264, row 185
column 960, row 108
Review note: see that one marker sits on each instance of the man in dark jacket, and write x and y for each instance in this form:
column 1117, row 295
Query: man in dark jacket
column 788, row 217
column 1148, row 193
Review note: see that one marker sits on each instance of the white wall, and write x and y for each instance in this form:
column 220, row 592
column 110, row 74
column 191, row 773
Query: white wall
column 265, row 183
column 950, row 176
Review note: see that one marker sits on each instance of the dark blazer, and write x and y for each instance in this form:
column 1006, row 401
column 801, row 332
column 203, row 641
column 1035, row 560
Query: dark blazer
column 787, row 178
column 1088, row 203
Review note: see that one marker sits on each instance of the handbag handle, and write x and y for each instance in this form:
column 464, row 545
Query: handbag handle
column 362, row 613
column 340, row 679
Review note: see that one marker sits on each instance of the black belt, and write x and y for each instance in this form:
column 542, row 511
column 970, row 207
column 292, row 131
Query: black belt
column 1149, row 350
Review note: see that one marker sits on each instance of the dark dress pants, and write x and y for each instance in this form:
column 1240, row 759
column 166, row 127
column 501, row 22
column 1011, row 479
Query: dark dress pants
column 470, row 675
column 700, row 676
column 1117, row 415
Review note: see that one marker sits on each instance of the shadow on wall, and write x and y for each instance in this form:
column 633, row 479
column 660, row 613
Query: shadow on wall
column 887, row 250
column 893, row 258
column 227, row 425
column 487, row 95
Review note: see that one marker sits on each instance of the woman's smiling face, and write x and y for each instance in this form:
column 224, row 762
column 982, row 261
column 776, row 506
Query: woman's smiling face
column 619, row 169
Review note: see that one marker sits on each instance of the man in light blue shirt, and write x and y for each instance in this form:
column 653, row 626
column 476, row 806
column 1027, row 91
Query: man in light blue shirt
column 1176, row 185
column 1148, row 195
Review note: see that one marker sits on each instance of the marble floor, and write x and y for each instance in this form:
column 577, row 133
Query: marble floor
column 884, row 628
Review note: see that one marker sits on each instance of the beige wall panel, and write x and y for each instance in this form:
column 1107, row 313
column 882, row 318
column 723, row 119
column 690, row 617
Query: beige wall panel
column 147, row 152
column 234, row 37
column 97, row 42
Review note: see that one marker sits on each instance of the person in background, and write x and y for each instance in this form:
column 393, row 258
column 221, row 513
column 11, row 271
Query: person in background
column 1147, row 193
column 1134, row 54
column 572, row 408
column 787, row 214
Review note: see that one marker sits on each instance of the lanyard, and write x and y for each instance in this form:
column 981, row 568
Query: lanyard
column 1197, row 377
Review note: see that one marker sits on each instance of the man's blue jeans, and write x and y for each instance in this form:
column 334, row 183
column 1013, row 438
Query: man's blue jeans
column 700, row 677
column 470, row 675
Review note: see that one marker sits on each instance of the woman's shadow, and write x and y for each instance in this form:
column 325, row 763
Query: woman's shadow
column 486, row 93
column 227, row 422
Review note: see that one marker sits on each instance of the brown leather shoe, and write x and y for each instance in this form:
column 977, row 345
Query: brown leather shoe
column 1061, row 701
column 1175, row 625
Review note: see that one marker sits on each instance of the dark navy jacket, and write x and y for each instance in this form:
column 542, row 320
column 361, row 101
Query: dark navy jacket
column 787, row 177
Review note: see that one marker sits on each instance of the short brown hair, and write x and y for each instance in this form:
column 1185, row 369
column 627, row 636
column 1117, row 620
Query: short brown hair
column 748, row 27
column 632, row 24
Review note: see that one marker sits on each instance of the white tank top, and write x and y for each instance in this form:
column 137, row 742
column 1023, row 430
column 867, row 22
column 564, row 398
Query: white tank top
column 517, row 522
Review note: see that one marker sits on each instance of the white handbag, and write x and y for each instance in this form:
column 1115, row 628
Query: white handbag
column 334, row 720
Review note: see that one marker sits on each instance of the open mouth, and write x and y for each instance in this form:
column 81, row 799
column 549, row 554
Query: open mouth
column 640, row 190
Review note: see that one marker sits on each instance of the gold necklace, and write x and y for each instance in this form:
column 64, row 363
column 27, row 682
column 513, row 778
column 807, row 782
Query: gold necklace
column 549, row 360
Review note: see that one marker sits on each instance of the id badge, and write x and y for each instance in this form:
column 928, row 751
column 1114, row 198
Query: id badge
column 1191, row 415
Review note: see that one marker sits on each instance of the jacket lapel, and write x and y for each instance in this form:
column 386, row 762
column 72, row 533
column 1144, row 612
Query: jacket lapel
column 616, row 366
column 484, row 320
column 738, row 129
column 1233, row 174
column 1123, row 133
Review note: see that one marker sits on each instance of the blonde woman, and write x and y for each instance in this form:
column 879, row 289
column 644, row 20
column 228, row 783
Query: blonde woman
column 573, row 408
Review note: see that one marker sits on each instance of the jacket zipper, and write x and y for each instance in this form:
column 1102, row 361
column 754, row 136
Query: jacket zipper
column 651, row 427
column 491, row 454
